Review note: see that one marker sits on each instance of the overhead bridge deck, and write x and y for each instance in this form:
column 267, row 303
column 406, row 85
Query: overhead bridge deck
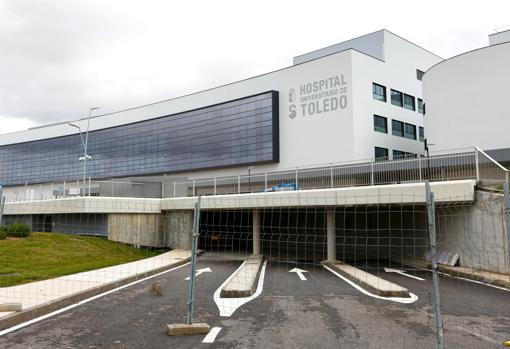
column 349, row 224
column 408, row 193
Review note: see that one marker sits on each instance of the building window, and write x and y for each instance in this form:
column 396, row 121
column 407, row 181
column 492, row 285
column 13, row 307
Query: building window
column 379, row 92
column 410, row 131
column 409, row 102
column 396, row 98
column 399, row 155
column 422, row 134
column 381, row 154
column 421, row 106
column 419, row 74
column 397, row 128
column 380, row 124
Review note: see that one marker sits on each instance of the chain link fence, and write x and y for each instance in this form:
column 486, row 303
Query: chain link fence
column 364, row 270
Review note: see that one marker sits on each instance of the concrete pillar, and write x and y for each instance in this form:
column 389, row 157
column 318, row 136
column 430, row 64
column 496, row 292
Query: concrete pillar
column 178, row 228
column 331, row 234
column 256, row 232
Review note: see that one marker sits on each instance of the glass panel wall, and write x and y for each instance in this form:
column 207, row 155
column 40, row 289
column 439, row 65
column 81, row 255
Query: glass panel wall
column 238, row 132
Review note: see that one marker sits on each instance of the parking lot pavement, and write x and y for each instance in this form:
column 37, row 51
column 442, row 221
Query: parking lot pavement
column 320, row 311
column 473, row 309
column 458, row 296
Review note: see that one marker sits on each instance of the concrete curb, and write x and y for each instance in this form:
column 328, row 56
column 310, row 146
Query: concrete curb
column 10, row 307
column 48, row 307
column 245, row 280
column 477, row 275
column 373, row 284
column 496, row 279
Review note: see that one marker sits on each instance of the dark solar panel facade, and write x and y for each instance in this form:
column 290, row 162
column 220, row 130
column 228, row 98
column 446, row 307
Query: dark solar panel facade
column 239, row 132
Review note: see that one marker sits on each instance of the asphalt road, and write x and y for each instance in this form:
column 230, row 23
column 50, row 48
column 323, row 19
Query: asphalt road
column 320, row 312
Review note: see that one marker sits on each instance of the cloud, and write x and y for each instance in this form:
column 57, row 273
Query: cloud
column 58, row 58
column 10, row 124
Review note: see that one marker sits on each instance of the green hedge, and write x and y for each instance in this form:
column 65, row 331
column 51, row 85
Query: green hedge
column 20, row 230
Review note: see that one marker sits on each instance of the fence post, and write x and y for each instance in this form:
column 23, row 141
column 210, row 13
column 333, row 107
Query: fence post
column 256, row 232
column 2, row 205
column 506, row 212
column 331, row 174
column 431, row 219
column 265, row 180
column 419, row 166
column 296, row 184
column 477, row 166
column 214, row 185
column 64, row 189
column 238, row 184
column 174, row 187
column 194, row 244
column 89, row 185
column 372, row 174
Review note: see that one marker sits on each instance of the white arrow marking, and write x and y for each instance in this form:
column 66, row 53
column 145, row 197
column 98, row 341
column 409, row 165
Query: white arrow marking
column 227, row 306
column 200, row 271
column 401, row 272
column 299, row 272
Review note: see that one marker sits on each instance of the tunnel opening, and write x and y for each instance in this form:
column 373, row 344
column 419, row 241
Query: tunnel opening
column 365, row 235
column 378, row 236
column 227, row 231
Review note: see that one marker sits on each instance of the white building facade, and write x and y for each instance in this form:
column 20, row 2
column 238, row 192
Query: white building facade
column 361, row 99
column 467, row 100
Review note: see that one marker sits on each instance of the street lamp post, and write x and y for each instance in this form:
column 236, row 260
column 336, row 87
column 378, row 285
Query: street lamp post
column 85, row 143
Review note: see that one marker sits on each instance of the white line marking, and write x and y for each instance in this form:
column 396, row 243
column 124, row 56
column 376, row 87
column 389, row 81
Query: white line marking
column 401, row 272
column 299, row 272
column 465, row 279
column 200, row 271
column 211, row 336
column 473, row 281
column 409, row 300
column 473, row 333
column 228, row 306
column 56, row 312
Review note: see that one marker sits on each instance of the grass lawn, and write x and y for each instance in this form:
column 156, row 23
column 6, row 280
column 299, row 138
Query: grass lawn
column 48, row 255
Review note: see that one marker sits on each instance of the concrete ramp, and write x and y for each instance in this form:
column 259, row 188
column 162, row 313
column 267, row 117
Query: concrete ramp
column 369, row 282
column 244, row 281
column 248, row 280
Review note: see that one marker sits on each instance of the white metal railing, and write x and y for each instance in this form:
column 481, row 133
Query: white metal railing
column 439, row 167
column 488, row 170
column 470, row 163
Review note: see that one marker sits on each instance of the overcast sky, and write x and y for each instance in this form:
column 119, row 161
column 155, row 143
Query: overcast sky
column 59, row 57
